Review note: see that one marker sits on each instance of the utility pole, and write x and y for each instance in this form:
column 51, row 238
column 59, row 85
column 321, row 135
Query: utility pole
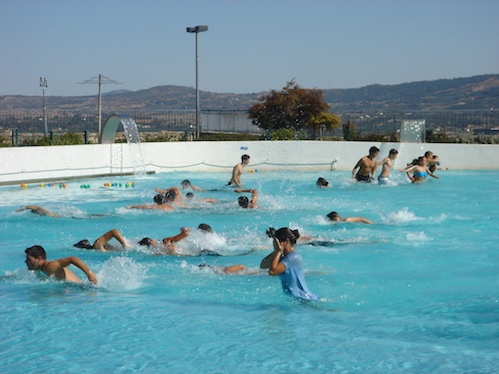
column 43, row 85
column 100, row 80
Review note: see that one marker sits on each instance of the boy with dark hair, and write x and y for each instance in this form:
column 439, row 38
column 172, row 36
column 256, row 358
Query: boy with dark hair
column 36, row 259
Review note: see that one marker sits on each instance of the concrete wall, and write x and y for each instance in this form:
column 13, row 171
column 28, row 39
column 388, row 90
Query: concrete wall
column 33, row 164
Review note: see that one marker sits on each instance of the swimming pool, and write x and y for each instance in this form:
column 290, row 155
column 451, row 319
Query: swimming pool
column 414, row 292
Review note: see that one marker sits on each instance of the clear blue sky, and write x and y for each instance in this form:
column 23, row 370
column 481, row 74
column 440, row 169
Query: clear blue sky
column 251, row 45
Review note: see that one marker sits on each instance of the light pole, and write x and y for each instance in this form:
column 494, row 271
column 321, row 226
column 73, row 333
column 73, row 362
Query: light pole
column 196, row 30
column 43, row 85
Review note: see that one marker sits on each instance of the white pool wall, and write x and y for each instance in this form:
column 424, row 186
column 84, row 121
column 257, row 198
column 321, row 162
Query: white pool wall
column 33, row 164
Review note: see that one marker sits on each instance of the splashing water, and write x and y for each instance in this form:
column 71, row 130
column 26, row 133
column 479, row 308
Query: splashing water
column 121, row 274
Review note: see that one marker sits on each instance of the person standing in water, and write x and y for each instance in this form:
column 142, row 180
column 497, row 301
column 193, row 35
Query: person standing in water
column 238, row 171
column 287, row 264
column 367, row 166
column 387, row 165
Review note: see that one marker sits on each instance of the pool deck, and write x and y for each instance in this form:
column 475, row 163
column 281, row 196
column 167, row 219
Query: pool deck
column 56, row 163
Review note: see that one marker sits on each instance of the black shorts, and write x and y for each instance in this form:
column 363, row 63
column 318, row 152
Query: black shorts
column 363, row 178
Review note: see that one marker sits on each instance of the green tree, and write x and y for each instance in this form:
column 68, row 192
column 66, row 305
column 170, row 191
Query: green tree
column 291, row 108
column 322, row 121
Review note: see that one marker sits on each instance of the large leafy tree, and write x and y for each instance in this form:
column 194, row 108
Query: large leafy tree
column 322, row 121
column 292, row 108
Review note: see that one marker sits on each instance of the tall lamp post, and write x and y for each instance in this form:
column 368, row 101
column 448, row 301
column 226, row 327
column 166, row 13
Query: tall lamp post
column 196, row 30
column 43, row 85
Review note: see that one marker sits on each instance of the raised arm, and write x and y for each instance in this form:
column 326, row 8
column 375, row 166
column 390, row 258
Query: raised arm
column 184, row 233
column 101, row 241
column 276, row 266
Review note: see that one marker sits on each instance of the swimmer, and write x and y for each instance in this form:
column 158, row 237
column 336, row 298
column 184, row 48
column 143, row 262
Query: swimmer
column 160, row 204
column 245, row 203
column 167, row 245
column 36, row 259
column 38, row 210
column 367, row 167
column 186, row 183
column 322, row 183
column 287, row 263
column 44, row 212
column 433, row 162
column 190, row 197
column 418, row 172
column 231, row 269
column 172, row 195
column 387, row 164
column 334, row 216
column 101, row 243
column 238, row 170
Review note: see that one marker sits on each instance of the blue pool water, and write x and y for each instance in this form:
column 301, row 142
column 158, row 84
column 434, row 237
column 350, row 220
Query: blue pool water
column 415, row 292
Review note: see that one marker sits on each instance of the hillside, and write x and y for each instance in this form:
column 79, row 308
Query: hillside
column 473, row 93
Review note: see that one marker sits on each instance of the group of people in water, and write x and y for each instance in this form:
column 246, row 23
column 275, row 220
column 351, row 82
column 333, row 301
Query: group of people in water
column 417, row 170
column 284, row 261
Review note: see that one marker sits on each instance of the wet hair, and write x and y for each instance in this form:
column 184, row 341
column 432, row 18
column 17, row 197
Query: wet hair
column 159, row 199
column 204, row 227
column 322, row 182
column 245, row 157
column 393, row 151
column 428, row 153
column 146, row 242
column 333, row 216
column 243, row 201
column 189, row 195
column 415, row 162
column 85, row 244
column 36, row 251
column 373, row 150
column 286, row 233
column 170, row 195
column 185, row 183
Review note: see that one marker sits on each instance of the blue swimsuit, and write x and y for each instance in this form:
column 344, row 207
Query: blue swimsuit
column 293, row 279
column 420, row 175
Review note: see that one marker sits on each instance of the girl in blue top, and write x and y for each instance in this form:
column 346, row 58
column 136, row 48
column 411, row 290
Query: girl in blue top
column 287, row 263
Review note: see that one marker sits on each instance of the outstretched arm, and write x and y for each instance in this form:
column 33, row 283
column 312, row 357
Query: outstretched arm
column 357, row 220
column 38, row 210
column 60, row 264
column 431, row 174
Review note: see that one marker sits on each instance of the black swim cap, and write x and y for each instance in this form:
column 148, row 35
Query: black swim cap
column 322, row 182
column 146, row 242
column 85, row 244
column 204, row 227
column 159, row 199
column 243, row 201
column 170, row 195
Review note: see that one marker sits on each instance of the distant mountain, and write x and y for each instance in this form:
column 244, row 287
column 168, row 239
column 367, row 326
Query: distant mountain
column 478, row 92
